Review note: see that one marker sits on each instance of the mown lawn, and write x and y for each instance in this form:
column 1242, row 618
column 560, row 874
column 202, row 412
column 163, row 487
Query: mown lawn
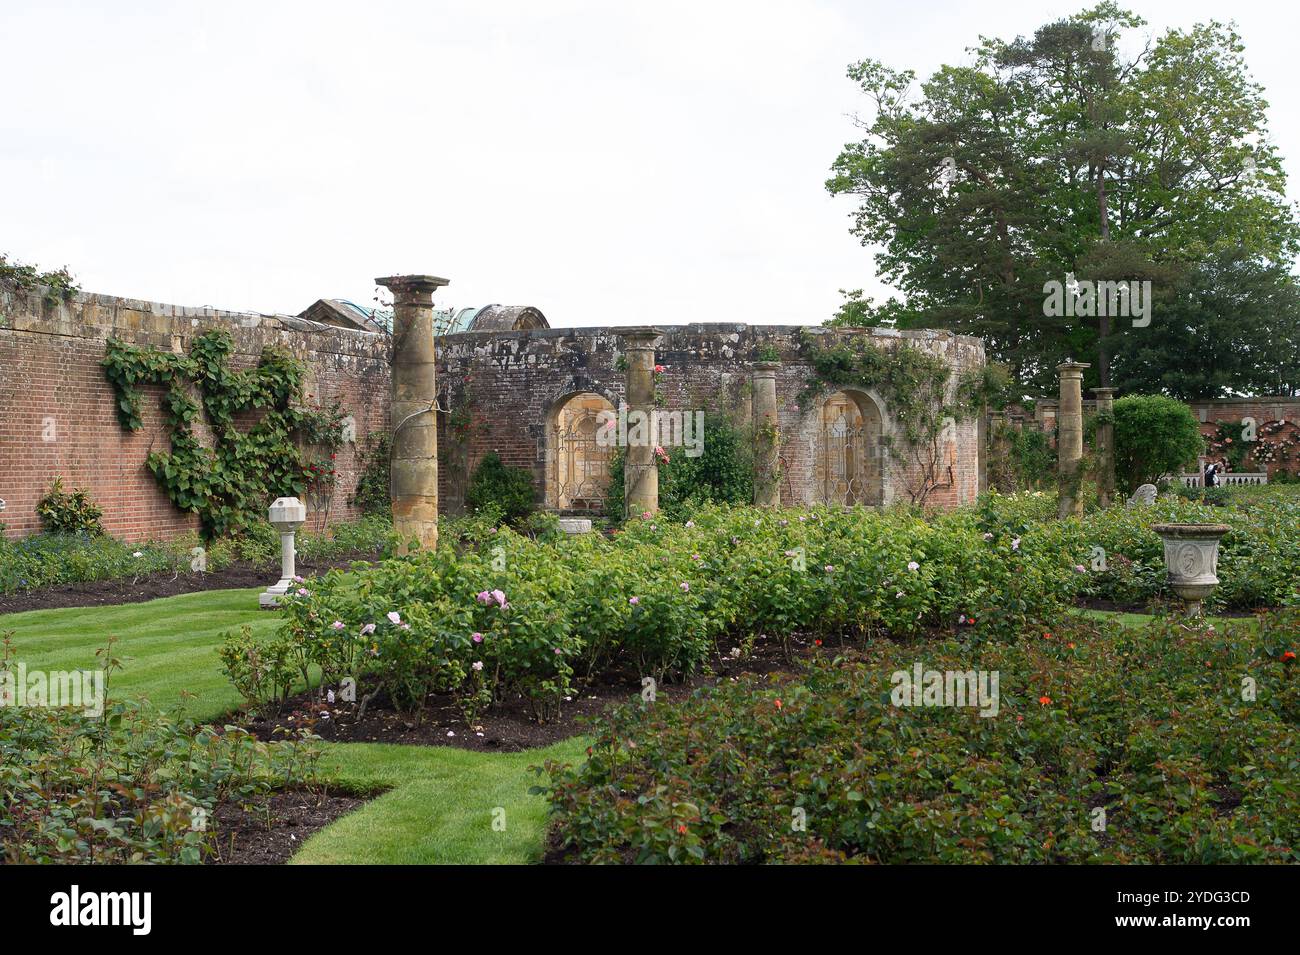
column 167, row 647
column 441, row 801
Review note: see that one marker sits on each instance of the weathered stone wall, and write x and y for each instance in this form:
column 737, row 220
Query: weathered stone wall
column 57, row 409
column 512, row 384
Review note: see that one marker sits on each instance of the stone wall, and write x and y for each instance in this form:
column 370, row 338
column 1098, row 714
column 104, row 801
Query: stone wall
column 507, row 388
column 57, row 409
column 1277, row 421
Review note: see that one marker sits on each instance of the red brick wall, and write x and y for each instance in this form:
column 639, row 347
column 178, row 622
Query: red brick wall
column 511, row 382
column 57, row 414
column 1280, row 414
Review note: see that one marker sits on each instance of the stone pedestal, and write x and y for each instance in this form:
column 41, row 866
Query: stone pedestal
column 767, row 435
column 1069, row 438
column 1105, row 444
column 640, row 470
column 413, row 400
column 287, row 514
column 1192, row 560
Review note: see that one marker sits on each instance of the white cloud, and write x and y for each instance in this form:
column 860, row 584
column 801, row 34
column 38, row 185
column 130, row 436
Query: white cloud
column 608, row 163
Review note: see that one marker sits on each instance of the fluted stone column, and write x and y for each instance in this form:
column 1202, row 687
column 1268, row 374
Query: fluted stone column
column 414, row 419
column 767, row 483
column 640, row 469
column 1105, row 444
column 1069, row 438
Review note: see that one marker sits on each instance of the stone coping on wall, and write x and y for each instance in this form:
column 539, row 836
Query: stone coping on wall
column 714, row 329
column 91, row 315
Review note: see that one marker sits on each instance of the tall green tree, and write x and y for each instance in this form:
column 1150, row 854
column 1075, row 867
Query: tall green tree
column 1058, row 157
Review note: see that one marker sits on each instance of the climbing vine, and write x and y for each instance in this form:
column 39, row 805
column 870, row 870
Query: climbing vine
column 915, row 385
column 230, row 483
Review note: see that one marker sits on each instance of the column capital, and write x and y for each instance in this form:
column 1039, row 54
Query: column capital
column 1072, row 369
column 1104, row 392
column 409, row 287
column 765, row 367
column 640, row 336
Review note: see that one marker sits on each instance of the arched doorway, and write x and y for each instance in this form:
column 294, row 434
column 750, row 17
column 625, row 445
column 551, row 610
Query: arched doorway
column 848, row 467
column 577, row 474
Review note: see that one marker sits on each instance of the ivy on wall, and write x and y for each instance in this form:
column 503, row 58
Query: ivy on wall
column 914, row 384
column 229, row 484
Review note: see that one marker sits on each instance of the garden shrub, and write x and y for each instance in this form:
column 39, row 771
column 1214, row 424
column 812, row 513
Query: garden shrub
column 69, row 512
column 722, row 474
column 1147, row 724
column 124, row 786
column 1155, row 436
column 491, row 612
column 46, row 560
column 508, row 490
column 373, row 494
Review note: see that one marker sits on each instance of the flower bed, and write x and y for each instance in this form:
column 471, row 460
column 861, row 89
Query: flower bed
column 1108, row 745
column 1120, row 558
column 512, row 615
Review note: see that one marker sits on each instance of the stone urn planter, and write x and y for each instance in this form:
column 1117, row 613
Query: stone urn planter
column 1192, row 560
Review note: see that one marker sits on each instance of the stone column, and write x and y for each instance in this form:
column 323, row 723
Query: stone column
column 1069, row 440
column 1105, row 444
column 767, row 435
column 640, row 469
column 414, row 469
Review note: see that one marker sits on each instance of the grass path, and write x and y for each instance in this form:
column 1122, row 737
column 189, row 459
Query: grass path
column 443, row 808
column 167, row 646
column 440, row 803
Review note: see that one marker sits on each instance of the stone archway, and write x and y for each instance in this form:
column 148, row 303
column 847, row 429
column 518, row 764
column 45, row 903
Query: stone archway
column 577, row 464
column 848, row 457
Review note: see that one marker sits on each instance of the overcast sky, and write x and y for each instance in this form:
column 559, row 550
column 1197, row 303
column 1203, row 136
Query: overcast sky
column 609, row 163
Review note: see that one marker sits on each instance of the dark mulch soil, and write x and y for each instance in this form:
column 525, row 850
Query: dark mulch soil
column 96, row 593
column 509, row 726
column 269, row 829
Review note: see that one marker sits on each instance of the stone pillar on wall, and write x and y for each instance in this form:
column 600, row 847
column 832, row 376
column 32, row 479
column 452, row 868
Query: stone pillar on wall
column 767, row 435
column 414, row 419
column 640, row 469
column 1069, row 441
column 1105, row 444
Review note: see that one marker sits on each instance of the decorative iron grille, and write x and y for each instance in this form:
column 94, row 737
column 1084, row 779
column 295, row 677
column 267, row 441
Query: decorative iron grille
column 580, row 467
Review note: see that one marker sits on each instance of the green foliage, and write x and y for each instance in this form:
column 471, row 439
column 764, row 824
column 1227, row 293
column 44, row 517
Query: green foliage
column 50, row 559
column 230, row 484
column 1028, row 461
column 69, row 512
column 373, row 494
column 1118, row 557
column 506, row 490
column 1155, row 436
column 125, row 786
column 492, row 612
column 1147, row 724
column 59, row 284
column 914, row 384
column 723, row 473
column 1052, row 154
